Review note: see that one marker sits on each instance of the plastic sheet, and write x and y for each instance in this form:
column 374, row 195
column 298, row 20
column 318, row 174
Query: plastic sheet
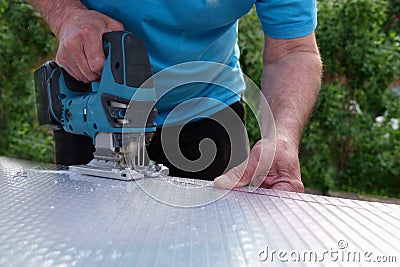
column 51, row 217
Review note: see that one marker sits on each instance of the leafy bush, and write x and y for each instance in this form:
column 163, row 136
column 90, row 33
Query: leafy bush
column 24, row 42
column 343, row 146
column 251, row 43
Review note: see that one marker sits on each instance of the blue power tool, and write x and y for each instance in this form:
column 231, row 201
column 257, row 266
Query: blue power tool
column 117, row 112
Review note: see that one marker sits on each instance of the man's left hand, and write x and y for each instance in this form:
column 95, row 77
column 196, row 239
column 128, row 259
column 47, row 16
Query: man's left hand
column 282, row 174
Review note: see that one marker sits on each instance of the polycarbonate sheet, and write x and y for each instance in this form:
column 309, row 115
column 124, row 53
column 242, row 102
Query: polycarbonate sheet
column 50, row 217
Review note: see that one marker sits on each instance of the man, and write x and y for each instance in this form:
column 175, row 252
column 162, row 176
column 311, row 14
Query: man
column 183, row 31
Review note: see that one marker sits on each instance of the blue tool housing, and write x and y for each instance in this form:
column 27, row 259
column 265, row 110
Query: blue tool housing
column 123, row 100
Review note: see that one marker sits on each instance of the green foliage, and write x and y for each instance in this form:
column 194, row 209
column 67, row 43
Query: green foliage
column 344, row 147
column 375, row 160
column 348, row 150
column 24, row 41
column 251, row 43
column 318, row 163
column 393, row 22
column 356, row 49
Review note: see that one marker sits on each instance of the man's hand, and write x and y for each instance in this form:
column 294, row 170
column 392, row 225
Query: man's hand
column 80, row 50
column 279, row 169
column 79, row 32
column 291, row 81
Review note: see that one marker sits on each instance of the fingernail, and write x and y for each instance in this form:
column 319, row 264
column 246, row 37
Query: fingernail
column 223, row 182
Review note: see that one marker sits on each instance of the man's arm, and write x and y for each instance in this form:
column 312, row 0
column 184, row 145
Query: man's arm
column 291, row 82
column 79, row 32
column 56, row 12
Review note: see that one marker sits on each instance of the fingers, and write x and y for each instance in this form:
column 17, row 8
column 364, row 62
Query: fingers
column 71, row 56
column 285, row 174
column 254, row 169
column 265, row 167
column 236, row 177
column 93, row 52
column 80, row 50
column 95, row 59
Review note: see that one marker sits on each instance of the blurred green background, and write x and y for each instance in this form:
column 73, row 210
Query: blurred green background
column 352, row 142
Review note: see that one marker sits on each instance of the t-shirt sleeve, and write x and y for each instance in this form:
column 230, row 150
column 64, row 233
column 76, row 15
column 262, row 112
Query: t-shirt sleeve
column 287, row 18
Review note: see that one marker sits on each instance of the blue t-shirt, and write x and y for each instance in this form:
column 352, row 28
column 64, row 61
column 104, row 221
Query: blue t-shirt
column 176, row 32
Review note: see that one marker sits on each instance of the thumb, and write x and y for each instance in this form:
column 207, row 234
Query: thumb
column 236, row 177
column 255, row 168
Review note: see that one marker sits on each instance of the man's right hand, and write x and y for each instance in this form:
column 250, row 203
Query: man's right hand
column 80, row 50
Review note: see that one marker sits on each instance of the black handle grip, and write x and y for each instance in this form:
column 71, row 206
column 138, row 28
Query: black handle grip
column 129, row 56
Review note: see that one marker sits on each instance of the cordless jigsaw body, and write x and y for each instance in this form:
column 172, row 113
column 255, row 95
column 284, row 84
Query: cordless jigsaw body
column 117, row 112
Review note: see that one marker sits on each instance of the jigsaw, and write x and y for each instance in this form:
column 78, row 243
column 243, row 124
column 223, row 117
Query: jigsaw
column 117, row 112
